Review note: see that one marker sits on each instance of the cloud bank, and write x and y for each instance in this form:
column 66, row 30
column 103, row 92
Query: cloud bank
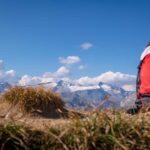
column 125, row 81
column 61, row 73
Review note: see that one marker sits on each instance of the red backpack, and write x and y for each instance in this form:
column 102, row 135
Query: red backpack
column 143, row 78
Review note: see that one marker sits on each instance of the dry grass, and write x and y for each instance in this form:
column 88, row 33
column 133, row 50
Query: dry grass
column 113, row 130
column 145, row 109
column 35, row 101
column 97, row 130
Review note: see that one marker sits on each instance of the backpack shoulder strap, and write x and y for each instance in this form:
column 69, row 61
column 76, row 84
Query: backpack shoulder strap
column 138, row 81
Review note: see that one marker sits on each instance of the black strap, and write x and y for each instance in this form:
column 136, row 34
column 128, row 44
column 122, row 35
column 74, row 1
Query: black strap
column 146, row 95
column 138, row 80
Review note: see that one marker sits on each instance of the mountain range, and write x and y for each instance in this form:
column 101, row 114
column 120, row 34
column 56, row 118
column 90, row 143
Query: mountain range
column 91, row 96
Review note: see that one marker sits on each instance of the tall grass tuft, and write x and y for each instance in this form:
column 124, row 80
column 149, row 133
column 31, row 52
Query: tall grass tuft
column 35, row 100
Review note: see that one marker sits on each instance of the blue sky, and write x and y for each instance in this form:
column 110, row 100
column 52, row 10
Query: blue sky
column 34, row 34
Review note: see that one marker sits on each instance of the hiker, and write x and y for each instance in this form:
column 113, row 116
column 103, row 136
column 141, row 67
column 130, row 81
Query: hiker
column 143, row 81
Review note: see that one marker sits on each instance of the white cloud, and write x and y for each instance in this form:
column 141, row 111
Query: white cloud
column 126, row 81
column 61, row 73
column 29, row 80
column 11, row 73
column 81, row 67
column 6, row 76
column 69, row 60
column 86, row 45
column 116, row 78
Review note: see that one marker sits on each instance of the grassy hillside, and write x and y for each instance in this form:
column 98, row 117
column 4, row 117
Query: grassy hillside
column 98, row 130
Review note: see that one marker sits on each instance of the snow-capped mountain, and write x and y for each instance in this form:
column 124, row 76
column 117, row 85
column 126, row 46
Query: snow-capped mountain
column 62, row 86
column 76, row 95
column 89, row 96
column 71, row 86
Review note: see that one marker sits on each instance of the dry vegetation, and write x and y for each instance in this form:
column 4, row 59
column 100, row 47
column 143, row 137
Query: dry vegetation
column 35, row 101
column 99, row 130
